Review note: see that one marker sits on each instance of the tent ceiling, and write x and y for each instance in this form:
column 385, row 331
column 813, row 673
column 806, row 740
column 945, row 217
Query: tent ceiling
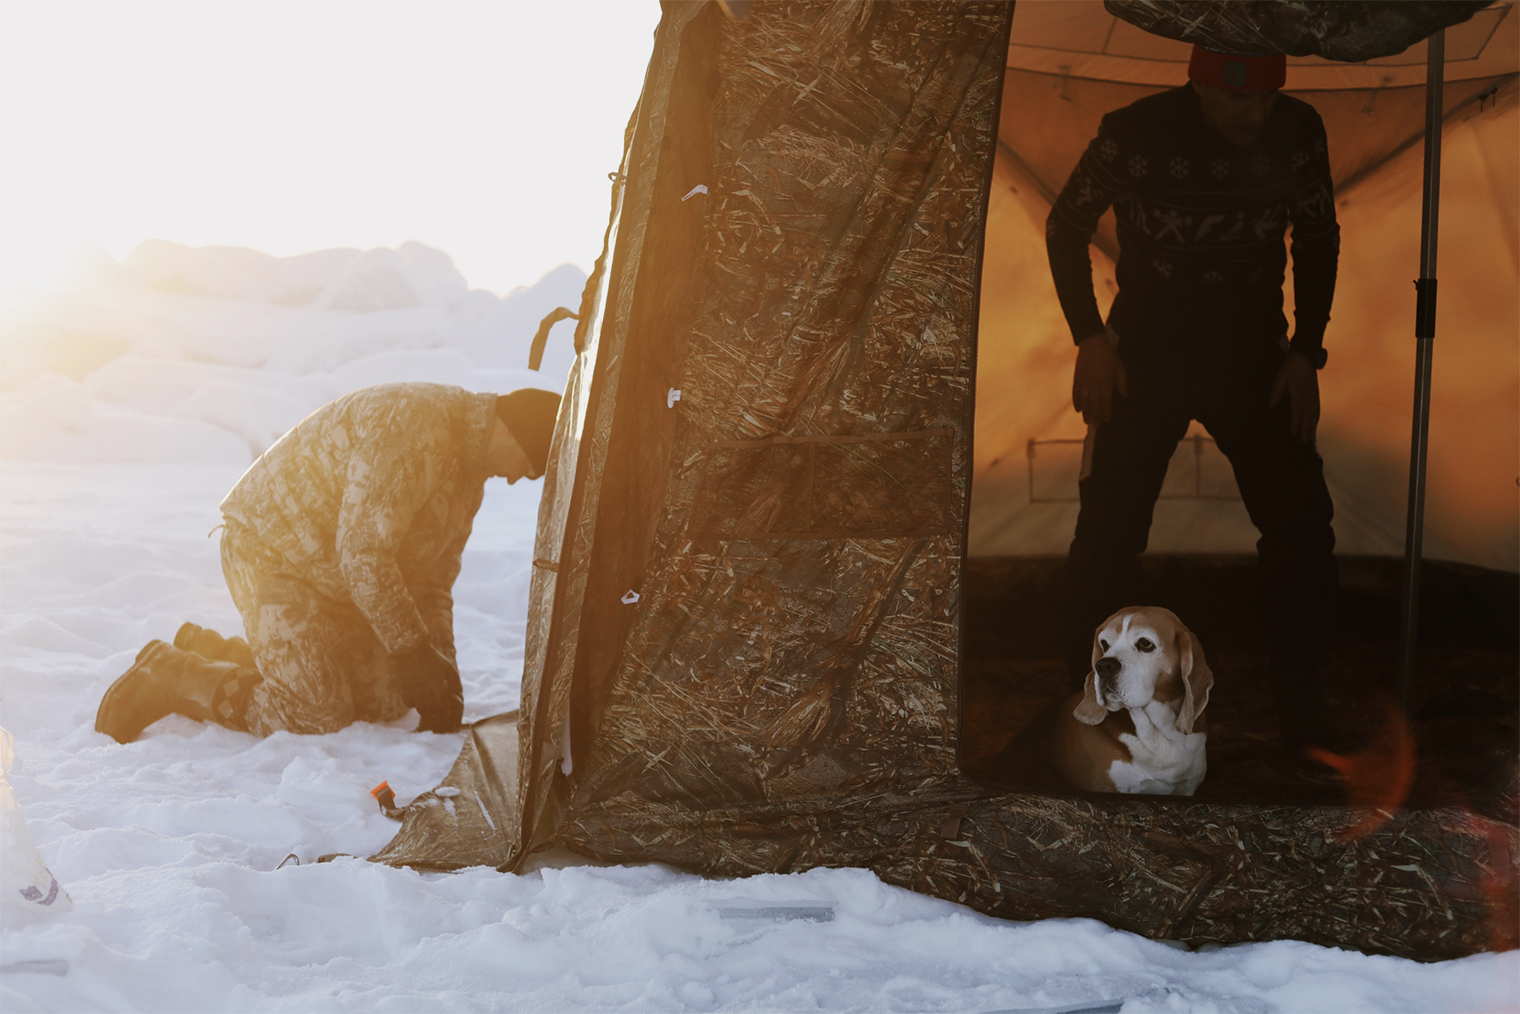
column 1073, row 55
column 1083, row 40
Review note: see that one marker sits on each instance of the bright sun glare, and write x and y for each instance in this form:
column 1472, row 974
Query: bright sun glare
column 483, row 129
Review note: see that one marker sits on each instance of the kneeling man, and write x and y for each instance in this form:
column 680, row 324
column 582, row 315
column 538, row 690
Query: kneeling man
column 341, row 546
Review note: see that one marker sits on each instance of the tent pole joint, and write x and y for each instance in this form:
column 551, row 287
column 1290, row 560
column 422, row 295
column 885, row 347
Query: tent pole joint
column 1425, row 308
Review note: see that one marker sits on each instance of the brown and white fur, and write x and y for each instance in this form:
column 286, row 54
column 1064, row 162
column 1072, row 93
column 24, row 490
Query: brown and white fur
column 1138, row 724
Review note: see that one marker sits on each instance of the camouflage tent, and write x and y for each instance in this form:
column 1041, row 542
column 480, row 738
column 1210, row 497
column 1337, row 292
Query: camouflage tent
column 745, row 639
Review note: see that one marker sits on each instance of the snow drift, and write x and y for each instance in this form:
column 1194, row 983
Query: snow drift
column 210, row 354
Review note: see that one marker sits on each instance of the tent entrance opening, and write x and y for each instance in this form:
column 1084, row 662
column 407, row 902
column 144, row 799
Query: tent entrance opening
column 1013, row 679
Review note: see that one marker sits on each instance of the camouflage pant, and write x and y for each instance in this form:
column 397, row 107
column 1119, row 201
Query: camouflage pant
column 322, row 666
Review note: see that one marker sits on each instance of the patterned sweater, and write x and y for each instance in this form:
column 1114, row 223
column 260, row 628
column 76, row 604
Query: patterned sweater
column 373, row 496
column 1201, row 226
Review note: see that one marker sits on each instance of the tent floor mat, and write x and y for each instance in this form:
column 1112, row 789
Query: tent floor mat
column 1466, row 699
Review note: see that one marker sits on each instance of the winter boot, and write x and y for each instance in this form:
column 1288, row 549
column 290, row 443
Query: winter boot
column 209, row 644
column 166, row 680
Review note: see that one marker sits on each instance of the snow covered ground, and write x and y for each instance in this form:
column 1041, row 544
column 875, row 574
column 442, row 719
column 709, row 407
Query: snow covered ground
column 129, row 404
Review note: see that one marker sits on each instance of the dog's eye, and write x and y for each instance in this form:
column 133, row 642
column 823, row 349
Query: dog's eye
column 1144, row 644
column 1102, row 644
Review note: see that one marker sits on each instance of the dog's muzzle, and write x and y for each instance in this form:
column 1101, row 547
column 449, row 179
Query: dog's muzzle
column 1107, row 669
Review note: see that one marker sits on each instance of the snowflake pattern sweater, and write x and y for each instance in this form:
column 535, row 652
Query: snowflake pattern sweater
column 1201, row 226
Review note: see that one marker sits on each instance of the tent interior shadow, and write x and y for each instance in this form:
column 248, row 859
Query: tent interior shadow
column 1467, row 702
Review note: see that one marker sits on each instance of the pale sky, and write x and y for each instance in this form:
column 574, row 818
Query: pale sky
column 486, row 130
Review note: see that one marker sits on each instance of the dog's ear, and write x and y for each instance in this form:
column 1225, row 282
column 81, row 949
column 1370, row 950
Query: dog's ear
column 1197, row 679
column 1089, row 711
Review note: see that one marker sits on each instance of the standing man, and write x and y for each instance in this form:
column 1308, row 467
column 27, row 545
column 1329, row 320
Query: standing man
column 1205, row 180
column 341, row 546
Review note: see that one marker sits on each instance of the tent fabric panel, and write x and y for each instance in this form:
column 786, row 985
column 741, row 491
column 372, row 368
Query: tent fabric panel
column 538, row 744
column 467, row 820
column 1472, row 514
column 782, row 670
column 1366, row 129
column 559, row 492
column 567, row 511
column 820, row 488
column 644, row 411
column 1418, row 886
column 537, row 752
column 810, row 642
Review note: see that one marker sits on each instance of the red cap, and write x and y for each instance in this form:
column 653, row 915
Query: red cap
column 1238, row 72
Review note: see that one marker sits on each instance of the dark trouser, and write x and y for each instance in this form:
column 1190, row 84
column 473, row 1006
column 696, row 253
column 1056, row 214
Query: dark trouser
column 1281, row 481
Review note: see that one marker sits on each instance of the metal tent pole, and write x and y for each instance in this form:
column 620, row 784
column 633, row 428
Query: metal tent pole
column 1424, row 333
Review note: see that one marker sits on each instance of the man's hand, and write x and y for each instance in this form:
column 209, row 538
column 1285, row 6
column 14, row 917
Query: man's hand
column 1300, row 380
column 1099, row 371
column 430, row 683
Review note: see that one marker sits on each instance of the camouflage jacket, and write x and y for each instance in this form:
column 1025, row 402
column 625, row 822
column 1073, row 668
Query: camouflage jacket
column 371, row 498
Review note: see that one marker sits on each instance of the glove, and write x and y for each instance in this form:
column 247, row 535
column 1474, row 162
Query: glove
column 430, row 683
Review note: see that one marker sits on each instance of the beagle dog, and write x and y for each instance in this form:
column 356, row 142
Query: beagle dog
column 1138, row 724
